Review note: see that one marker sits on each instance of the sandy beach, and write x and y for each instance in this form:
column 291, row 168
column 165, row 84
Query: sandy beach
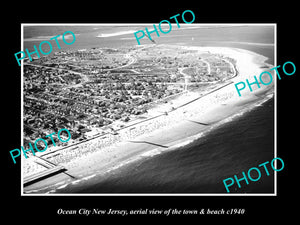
column 168, row 132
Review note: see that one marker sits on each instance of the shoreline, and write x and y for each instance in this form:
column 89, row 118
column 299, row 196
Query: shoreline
column 207, row 113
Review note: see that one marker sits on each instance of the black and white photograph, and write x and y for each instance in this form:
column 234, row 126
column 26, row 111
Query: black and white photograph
column 164, row 111
column 173, row 113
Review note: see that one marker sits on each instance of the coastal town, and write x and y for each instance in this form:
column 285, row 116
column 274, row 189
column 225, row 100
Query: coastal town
column 99, row 91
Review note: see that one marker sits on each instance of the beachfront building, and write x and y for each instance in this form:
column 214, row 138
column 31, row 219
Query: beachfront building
column 92, row 88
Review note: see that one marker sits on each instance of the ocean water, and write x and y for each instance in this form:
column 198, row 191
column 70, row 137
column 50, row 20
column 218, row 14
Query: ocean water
column 200, row 166
column 254, row 38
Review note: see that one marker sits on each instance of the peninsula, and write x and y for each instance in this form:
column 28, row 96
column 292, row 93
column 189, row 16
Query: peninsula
column 124, row 104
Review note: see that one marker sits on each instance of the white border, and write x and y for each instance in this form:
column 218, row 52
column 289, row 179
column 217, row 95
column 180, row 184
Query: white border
column 275, row 109
column 155, row 194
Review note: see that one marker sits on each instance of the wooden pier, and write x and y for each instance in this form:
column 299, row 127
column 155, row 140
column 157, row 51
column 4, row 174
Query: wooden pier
column 51, row 170
column 42, row 175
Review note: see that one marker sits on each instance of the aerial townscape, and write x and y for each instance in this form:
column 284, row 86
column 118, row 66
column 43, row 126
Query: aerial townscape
column 87, row 89
column 110, row 95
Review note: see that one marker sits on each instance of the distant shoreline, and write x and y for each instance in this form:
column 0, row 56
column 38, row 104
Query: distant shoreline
column 210, row 109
